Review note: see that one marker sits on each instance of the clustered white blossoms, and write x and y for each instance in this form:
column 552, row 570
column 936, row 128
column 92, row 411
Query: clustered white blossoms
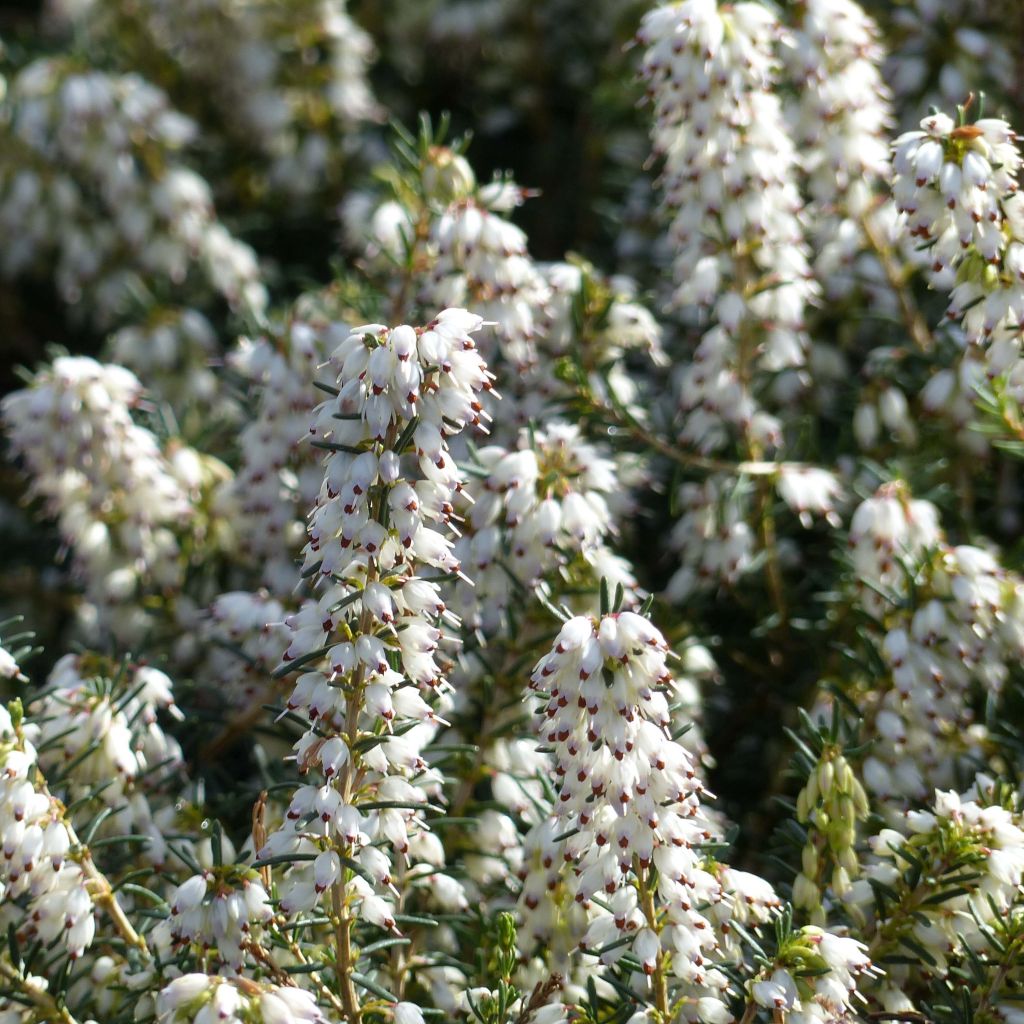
column 729, row 187
column 45, row 891
column 534, row 508
column 426, row 753
column 219, row 908
column 838, row 963
column 950, row 623
column 82, row 198
column 627, row 792
column 957, row 185
column 972, row 835
column 121, row 503
column 482, row 260
column 840, row 122
column 740, row 229
column 472, row 254
column 239, row 639
column 123, row 757
column 201, row 997
column 633, row 830
column 376, row 536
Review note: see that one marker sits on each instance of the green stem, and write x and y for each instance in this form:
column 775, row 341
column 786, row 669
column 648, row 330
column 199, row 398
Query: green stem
column 896, row 275
column 659, row 979
column 46, row 1009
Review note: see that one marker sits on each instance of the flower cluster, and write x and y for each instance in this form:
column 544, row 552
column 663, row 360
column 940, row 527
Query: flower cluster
column 219, row 909
column 93, row 188
column 712, row 536
column 45, row 891
column 951, row 623
column 370, row 644
column 120, row 502
column 197, row 998
column 957, row 185
column 109, row 732
column 627, row 794
column 814, row 977
column 972, row 839
column 240, row 637
column 537, row 508
column 729, row 187
column 224, row 64
column 840, row 125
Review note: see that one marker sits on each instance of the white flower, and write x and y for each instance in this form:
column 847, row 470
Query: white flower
column 777, row 992
column 807, row 490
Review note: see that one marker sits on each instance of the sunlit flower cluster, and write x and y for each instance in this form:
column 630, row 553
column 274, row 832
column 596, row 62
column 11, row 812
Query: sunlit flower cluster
column 376, row 536
column 729, row 187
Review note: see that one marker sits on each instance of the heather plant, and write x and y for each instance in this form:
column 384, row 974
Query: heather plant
column 570, row 575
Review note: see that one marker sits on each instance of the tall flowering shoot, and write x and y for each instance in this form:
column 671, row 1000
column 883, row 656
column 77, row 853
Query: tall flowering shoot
column 372, row 685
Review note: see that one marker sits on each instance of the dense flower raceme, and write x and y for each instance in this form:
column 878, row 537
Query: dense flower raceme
column 93, row 187
column 44, row 891
column 370, row 643
column 462, row 246
column 958, row 186
column 729, row 190
column 121, row 503
column 627, row 794
column 840, row 124
column 951, row 624
column 713, row 535
column 233, row 66
column 629, row 825
column 835, row 963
